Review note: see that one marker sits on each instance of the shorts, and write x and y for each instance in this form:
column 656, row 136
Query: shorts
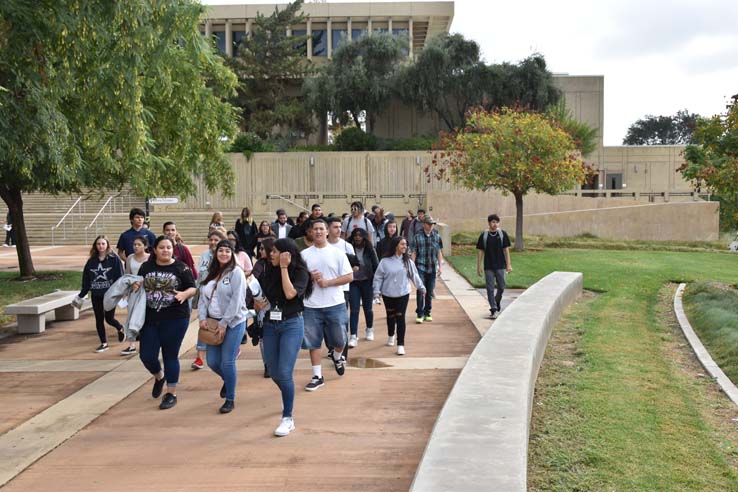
column 328, row 321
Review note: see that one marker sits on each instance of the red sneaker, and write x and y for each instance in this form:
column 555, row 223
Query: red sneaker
column 197, row 364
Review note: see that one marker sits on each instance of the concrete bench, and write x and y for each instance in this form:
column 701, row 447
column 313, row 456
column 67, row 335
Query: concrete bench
column 33, row 313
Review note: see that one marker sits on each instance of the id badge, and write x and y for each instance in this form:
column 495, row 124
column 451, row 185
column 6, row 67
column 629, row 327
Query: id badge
column 275, row 315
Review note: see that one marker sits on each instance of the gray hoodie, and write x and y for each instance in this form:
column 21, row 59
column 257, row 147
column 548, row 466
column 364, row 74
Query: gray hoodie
column 231, row 299
column 136, row 303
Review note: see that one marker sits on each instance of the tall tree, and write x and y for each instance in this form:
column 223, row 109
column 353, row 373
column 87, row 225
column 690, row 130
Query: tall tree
column 711, row 162
column 677, row 129
column 270, row 66
column 106, row 94
column 449, row 78
column 511, row 150
column 360, row 77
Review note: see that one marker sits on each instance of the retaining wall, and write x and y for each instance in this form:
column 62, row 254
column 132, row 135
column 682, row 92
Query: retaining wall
column 480, row 440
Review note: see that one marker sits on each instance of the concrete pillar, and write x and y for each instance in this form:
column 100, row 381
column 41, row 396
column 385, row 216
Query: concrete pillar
column 410, row 35
column 228, row 38
column 208, row 29
column 310, row 39
column 369, row 26
column 348, row 28
column 328, row 26
column 248, row 28
column 389, row 26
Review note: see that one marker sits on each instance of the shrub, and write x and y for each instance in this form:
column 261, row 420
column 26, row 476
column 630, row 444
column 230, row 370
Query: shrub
column 412, row 143
column 248, row 143
column 355, row 139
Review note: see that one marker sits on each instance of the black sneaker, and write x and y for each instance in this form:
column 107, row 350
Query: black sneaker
column 314, row 383
column 168, row 401
column 223, row 391
column 227, row 406
column 121, row 336
column 102, row 348
column 340, row 365
column 158, row 386
column 128, row 351
column 330, row 353
column 266, row 372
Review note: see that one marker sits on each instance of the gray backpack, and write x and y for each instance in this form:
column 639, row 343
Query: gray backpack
column 485, row 235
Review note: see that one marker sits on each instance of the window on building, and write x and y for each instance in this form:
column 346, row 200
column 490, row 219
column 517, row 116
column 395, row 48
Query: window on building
column 402, row 33
column 337, row 37
column 300, row 46
column 320, row 42
column 357, row 34
column 238, row 37
column 220, row 40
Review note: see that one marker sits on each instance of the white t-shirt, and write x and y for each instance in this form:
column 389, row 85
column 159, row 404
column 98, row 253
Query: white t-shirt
column 351, row 223
column 332, row 263
column 342, row 245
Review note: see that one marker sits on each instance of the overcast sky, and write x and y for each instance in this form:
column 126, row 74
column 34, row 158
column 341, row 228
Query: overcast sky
column 657, row 56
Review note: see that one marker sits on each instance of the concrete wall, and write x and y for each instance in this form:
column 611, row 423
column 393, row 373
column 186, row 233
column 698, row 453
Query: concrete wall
column 647, row 222
column 397, row 181
column 480, row 440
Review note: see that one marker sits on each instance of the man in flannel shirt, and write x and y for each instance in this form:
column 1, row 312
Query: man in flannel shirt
column 427, row 253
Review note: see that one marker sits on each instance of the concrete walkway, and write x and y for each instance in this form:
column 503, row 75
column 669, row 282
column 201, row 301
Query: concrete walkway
column 76, row 420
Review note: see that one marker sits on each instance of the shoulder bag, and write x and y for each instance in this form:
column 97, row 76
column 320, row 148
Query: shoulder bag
column 210, row 334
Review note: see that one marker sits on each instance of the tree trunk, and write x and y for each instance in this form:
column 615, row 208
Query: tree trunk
column 14, row 201
column 518, row 221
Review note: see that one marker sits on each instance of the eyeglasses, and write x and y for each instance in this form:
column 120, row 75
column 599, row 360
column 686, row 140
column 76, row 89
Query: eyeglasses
column 354, row 209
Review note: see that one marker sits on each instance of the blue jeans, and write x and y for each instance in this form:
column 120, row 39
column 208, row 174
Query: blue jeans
column 166, row 335
column 425, row 302
column 360, row 294
column 328, row 322
column 222, row 358
column 490, row 276
column 282, row 340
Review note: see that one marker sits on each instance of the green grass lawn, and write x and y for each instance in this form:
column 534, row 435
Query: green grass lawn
column 12, row 290
column 712, row 310
column 624, row 418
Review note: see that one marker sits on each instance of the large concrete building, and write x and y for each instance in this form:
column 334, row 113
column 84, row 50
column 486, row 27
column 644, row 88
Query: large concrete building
column 650, row 171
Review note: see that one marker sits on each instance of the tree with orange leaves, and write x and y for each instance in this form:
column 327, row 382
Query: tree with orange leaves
column 512, row 150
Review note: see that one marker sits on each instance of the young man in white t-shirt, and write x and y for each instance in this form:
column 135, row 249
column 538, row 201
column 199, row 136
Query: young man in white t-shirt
column 325, row 309
column 334, row 239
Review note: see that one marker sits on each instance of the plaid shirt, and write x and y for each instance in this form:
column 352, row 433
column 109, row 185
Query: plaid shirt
column 426, row 248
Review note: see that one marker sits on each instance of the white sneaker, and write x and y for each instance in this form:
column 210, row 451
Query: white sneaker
column 400, row 350
column 391, row 341
column 353, row 341
column 286, row 426
column 369, row 334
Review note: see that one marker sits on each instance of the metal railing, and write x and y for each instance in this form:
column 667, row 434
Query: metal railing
column 100, row 212
column 63, row 222
column 280, row 197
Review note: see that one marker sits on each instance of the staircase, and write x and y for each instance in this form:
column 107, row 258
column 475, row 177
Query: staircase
column 42, row 211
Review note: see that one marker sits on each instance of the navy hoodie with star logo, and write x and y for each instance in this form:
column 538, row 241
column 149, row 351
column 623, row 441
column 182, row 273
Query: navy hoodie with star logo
column 98, row 276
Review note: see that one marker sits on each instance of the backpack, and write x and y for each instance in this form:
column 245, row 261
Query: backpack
column 485, row 235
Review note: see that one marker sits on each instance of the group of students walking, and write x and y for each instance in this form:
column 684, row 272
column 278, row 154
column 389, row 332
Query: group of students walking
column 296, row 292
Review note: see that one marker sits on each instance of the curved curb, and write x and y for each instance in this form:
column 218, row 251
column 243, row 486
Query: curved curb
column 700, row 351
column 480, row 439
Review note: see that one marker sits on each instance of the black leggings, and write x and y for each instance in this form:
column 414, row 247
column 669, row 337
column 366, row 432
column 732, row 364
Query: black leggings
column 396, row 307
column 100, row 314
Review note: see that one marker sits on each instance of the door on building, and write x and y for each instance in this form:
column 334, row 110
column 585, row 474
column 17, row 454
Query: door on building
column 614, row 181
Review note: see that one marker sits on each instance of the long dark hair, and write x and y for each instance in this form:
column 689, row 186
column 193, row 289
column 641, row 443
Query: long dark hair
column 215, row 269
column 238, row 247
column 287, row 245
column 386, row 229
column 405, row 256
column 368, row 246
